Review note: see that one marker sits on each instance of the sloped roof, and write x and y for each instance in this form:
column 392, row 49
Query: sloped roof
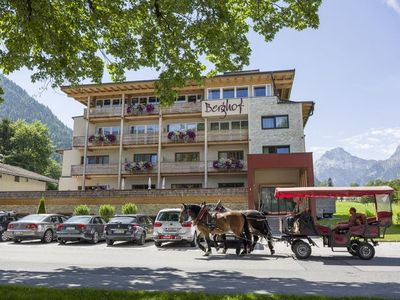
column 17, row 171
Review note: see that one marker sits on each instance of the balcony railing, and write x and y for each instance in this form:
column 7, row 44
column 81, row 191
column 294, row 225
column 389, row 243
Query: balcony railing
column 79, row 141
column 228, row 135
column 176, row 108
column 103, row 169
column 182, row 167
column 141, row 139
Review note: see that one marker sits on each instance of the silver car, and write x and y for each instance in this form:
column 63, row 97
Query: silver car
column 35, row 227
column 167, row 228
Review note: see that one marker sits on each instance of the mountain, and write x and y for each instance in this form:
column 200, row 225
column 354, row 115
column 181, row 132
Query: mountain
column 345, row 168
column 19, row 105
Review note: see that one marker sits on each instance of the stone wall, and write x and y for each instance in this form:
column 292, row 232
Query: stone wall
column 148, row 201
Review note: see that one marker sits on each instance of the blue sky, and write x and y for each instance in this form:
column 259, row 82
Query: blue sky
column 350, row 67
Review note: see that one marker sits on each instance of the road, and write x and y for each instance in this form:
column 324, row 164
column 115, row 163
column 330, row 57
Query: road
column 181, row 268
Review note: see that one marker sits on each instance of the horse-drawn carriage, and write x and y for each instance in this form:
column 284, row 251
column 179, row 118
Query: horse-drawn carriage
column 358, row 239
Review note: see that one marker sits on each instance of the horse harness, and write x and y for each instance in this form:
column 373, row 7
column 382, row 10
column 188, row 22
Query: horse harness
column 208, row 220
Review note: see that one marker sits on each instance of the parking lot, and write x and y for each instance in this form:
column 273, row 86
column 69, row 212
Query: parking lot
column 180, row 268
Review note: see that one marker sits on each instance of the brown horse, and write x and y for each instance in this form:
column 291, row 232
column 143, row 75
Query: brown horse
column 232, row 221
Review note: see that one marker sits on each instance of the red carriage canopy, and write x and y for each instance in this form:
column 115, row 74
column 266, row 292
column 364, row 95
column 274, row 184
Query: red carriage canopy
column 332, row 192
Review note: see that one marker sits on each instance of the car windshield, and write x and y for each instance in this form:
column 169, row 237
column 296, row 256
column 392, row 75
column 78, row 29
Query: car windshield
column 123, row 220
column 78, row 219
column 171, row 216
column 32, row 218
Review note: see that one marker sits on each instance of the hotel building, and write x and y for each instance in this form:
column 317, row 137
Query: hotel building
column 236, row 130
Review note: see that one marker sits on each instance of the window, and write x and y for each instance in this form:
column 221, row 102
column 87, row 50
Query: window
column 244, row 124
column 16, row 178
column 260, row 91
column 224, row 126
column 181, row 98
column 242, row 92
column 192, row 98
column 231, row 154
column 134, row 101
column 273, row 122
column 184, row 126
column 116, row 102
column 142, row 129
column 276, row 149
column 154, row 100
column 152, row 128
column 107, row 130
column 186, row 186
column 214, row 94
column 200, row 126
column 152, row 157
column 107, row 103
column 235, row 125
column 100, row 159
column 230, row 184
column 228, row 93
column 142, row 186
column 187, row 156
column 214, row 126
column 143, row 100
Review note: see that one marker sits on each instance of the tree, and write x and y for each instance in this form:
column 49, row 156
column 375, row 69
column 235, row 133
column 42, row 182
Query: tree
column 6, row 132
column 330, row 182
column 31, row 147
column 68, row 42
column 81, row 210
column 354, row 184
column 42, row 207
column 106, row 211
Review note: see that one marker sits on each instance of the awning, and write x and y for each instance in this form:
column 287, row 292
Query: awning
column 332, row 192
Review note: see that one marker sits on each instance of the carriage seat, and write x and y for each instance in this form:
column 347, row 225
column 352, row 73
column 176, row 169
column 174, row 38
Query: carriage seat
column 323, row 230
column 385, row 218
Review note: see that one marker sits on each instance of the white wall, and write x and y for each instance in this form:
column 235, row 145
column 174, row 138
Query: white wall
column 8, row 183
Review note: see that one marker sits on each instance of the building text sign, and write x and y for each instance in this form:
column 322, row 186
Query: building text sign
column 223, row 108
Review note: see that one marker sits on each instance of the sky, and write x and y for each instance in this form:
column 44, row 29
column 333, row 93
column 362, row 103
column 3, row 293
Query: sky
column 349, row 66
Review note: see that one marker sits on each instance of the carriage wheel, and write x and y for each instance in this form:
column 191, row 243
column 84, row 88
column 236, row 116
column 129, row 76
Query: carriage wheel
column 301, row 249
column 353, row 248
column 366, row 251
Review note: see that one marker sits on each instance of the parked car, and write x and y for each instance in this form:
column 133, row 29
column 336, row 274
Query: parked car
column 167, row 228
column 81, row 228
column 33, row 227
column 5, row 219
column 133, row 228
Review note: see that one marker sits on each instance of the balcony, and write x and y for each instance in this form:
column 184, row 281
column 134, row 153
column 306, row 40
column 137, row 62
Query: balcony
column 111, row 169
column 228, row 135
column 141, row 139
column 182, row 167
column 112, row 112
column 79, row 142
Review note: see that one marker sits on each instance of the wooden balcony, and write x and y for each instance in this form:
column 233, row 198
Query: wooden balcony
column 79, row 142
column 213, row 170
column 182, row 167
column 115, row 112
column 104, row 170
column 228, row 136
column 140, row 139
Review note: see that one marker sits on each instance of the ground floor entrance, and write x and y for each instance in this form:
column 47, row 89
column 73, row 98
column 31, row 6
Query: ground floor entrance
column 268, row 203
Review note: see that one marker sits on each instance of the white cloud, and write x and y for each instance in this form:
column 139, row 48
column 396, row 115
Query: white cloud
column 393, row 4
column 376, row 143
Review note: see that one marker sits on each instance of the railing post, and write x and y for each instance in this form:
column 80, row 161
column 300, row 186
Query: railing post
column 205, row 154
column 121, row 137
column 159, row 149
column 86, row 144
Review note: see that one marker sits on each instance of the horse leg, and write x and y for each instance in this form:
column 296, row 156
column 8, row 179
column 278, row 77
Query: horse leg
column 202, row 248
column 215, row 242
column 270, row 245
column 208, row 241
column 225, row 244
column 255, row 240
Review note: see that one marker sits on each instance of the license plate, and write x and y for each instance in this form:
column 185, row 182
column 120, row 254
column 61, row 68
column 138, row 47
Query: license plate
column 70, row 228
column 22, row 233
column 171, row 229
column 119, row 231
column 169, row 237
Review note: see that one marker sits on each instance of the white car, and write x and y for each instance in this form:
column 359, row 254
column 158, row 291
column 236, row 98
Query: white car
column 167, row 228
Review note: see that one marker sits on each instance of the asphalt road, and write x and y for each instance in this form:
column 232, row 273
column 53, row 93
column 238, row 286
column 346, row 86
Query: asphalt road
column 181, row 268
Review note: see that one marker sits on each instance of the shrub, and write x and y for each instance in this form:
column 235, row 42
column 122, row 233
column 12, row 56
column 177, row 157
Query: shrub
column 129, row 208
column 82, row 209
column 398, row 218
column 106, row 211
column 41, row 207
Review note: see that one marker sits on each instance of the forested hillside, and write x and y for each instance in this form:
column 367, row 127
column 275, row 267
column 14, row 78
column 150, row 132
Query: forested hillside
column 19, row 105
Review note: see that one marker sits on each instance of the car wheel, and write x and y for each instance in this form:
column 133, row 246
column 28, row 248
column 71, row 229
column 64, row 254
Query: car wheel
column 301, row 250
column 194, row 242
column 353, row 248
column 365, row 251
column 142, row 239
column 110, row 242
column 95, row 238
column 48, row 236
column 4, row 237
column 158, row 244
column 17, row 241
column 61, row 242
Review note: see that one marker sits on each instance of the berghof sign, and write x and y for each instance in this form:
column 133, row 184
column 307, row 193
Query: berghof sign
column 223, row 108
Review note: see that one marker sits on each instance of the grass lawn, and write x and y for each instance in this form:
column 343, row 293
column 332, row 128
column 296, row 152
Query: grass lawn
column 342, row 214
column 14, row 292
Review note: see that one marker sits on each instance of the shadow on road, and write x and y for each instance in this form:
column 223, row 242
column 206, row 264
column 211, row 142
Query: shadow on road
column 174, row 279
